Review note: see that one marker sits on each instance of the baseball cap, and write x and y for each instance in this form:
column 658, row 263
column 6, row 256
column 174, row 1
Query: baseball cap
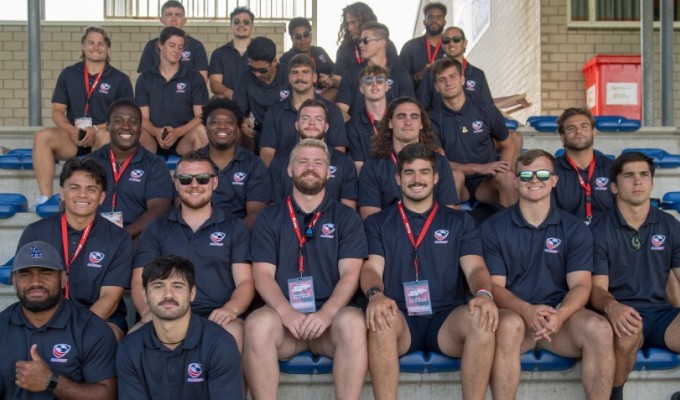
column 37, row 254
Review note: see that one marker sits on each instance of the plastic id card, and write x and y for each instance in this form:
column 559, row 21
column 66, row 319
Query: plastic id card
column 417, row 296
column 301, row 294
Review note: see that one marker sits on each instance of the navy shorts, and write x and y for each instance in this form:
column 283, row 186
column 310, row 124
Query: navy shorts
column 82, row 151
column 472, row 184
column 424, row 330
column 165, row 153
column 655, row 321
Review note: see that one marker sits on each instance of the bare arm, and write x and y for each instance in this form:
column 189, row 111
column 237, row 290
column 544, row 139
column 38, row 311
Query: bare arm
column 253, row 208
column 478, row 278
column 243, row 295
column 267, row 155
column 625, row 320
column 150, row 128
column 263, row 276
column 349, row 269
column 154, row 209
column 366, row 211
column 218, row 88
column 59, row 118
column 381, row 310
column 137, row 294
column 106, row 305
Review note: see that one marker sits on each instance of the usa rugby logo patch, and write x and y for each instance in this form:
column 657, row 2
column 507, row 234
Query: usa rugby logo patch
column 216, row 238
column 136, row 175
column 181, row 87
column 95, row 258
column 477, row 126
column 327, row 231
column 658, row 241
column 333, row 169
column 104, row 88
column 186, row 55
column 284, row 94
column 601, row 183
column 551, row 245
column 440, row 236
column 470, row 85
column 239, row 178
column 195, row 372
column 59, row 351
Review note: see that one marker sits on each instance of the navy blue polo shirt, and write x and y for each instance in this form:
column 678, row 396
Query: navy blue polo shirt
column 637, row 277
column 414, row 54
column 342, row 183
column 399, row 84
column 254, row 96
column 193, row 55
column 171, row 103
column 324, row 64
column 467, row 135
column 452, row 235
column 146, row 177
column 571, row 197
column 206, row 365
column 105, row 259
column 360, row 132
column 536, row 260
column 70, row 90
column 228, row 62
column 378, row 186
column 475, row 85
column 347, row 54
column 244, row 179
column 338, row 234
column 221, row 241
column 278, row 129
column 75, row 343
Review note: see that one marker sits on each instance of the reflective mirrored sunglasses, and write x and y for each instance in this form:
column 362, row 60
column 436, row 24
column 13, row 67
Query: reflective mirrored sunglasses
column 368, row 80
column 542, row 175
column 201, row 179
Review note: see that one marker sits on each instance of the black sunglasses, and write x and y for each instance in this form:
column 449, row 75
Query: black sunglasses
column 300, row 36
column 542, row 175
column 258, row 70
column 237, row 21
column 201, row 179
column 448, row 39
column 368, row 80
column 366, row 39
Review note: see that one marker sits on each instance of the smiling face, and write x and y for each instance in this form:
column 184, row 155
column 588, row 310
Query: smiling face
column 195, row 195
column 39, row 289
column 417, row 180
column 125, row 127
column 449, row 83
column 171, row 50
column 169, row 299
column 309, row 170
column 94, row 47
column 242, row 26
column 301, row 79
column 311, row 123
column 536, row 190
column 634, row 184
column 453, row 49
column 222, row 129
column 81, row 194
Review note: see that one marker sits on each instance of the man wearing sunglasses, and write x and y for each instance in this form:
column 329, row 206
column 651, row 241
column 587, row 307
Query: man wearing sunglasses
column 263, row 85
column 228, row 61
column 215, row 242
column 278, row 132
column 173, row 14
column 468, row 129
column 300, row 31
column 418, row 54
column 541, row 261
column 309, row 251
column 373, row 49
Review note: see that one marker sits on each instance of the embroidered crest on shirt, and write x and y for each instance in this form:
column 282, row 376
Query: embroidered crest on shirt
column 239, row 178
column 477, row 126
column 551, row 245
column 601, row 183
column 216, row 238
column 658, row 241
column 470, row 85
column 440, row 236
column 136, row 175
column 59, row 351
column 186, row 55
column 181, row 87
column 104, row 88
column 95, row 258
column 327, row 231
column 195, row 372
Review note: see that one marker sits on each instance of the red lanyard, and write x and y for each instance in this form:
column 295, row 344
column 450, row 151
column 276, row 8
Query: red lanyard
column 64, row 242
column 357, row 54
column 117, row 174
column 431, row 57
column 89, row 90
column 394, row 158
column 415, row 243
column 370, row 118
column 301, row 239
column 585, row 185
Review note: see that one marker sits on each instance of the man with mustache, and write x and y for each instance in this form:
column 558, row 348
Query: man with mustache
column 279, row 132
column 179, row 355
column 300, row 31
column 306, row 269
column 50, row 347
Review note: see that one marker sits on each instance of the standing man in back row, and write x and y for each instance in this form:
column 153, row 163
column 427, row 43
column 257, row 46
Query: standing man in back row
column 228, row 61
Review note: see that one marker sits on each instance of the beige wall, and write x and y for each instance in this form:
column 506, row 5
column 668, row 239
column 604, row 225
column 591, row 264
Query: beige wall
column 61, row 47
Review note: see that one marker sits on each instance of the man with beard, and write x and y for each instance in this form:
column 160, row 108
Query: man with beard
column 140, row 188
column 97, row 254
column 217, row 243
column 342, row 181
column 306, row 268
column 50, row 347
column 418, row 54
column 420, row 306
column 179, row 355
column 300, row 31
column 243, row 186
column 279, row 132
column 228, row 61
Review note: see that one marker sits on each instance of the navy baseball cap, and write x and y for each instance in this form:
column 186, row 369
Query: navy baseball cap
column 37, row 254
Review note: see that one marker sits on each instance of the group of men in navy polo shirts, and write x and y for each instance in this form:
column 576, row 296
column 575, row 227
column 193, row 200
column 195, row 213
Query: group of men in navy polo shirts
column 523, row 279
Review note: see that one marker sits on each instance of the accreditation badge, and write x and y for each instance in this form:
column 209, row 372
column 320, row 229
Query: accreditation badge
column 417, row 296
column 114, row 216
column 301, row 294
column 83, row 122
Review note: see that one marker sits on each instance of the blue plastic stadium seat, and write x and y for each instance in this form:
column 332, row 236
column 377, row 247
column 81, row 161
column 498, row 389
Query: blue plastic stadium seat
column 12, row 203
column 671, row 201
column 662, row 159
column 656, row 359
column 6, row 272
column 616, row 123
column 543, row 360
column 171, row 162
column 543, row 123
column 629, row 125
column 511, row 124
column 50, row 207
column 419, row 362
column 17, row 159
column 307, row 363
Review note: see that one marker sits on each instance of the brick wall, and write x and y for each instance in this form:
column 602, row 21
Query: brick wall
column 61, row 47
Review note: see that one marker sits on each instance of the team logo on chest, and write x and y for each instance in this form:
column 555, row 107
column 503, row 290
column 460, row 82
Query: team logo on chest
column 440, row 236
column 181, row 87
column 239, row 178
column 477, row 126
column 551, row 245
column 95, row 258
column 601, row 183
column 327, row 231
column 104, row 88
column 59, row 351
column 322, row 59
column 216, row 238
column 284, row 94
column 390, row 82
column 186, row 55
column 470, row 85
column 658, row 241
column 195, row 372
column 333, row 169
column 136, row 175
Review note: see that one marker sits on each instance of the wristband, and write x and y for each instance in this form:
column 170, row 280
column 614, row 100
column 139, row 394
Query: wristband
column 52, row 384
column 484, row 292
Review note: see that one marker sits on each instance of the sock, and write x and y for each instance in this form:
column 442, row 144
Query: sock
column 617, row 393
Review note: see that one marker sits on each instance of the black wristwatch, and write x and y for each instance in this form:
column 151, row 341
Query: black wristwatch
column 372, row 292
column 52, row 384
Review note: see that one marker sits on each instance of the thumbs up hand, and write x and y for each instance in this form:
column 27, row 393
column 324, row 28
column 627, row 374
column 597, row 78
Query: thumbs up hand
column 33, row 375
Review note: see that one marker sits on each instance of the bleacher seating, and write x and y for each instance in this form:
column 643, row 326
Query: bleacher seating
column 615, row 123
column 671, row 201
column 50, row 207
column 662, row 159
column 511, row 124
column 6, row 272
column 543, row 123
column 171, row 162
column 17, row 159
column 12, row 203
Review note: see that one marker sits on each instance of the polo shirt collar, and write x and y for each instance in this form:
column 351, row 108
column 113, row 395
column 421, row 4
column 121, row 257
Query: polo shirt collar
column 423, row 215
column 517, row 218
column 216, row 216
column 652, row 218
column 105, row 74
column 463, row 110
column 239, row 154
column 191, row 341
column 323, row 207
column 137, row 157
column 599, row 159
column 59, row 320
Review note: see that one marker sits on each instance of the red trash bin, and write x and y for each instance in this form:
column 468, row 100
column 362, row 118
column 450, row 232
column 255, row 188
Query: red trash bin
column 613, row 85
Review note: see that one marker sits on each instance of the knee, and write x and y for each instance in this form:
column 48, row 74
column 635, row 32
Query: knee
column 260, row 325
column 350, row 327
column 42, row 138
column 510, row 332
column 598, row 331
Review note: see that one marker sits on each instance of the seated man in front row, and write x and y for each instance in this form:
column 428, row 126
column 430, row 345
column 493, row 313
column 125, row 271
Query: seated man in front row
column 637, row 247
column 416, row 298
column 179, row 355
column 306, row 268
column 541, row 259
column 51, row 348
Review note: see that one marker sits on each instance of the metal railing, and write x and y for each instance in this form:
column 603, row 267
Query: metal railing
column 269, row 10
